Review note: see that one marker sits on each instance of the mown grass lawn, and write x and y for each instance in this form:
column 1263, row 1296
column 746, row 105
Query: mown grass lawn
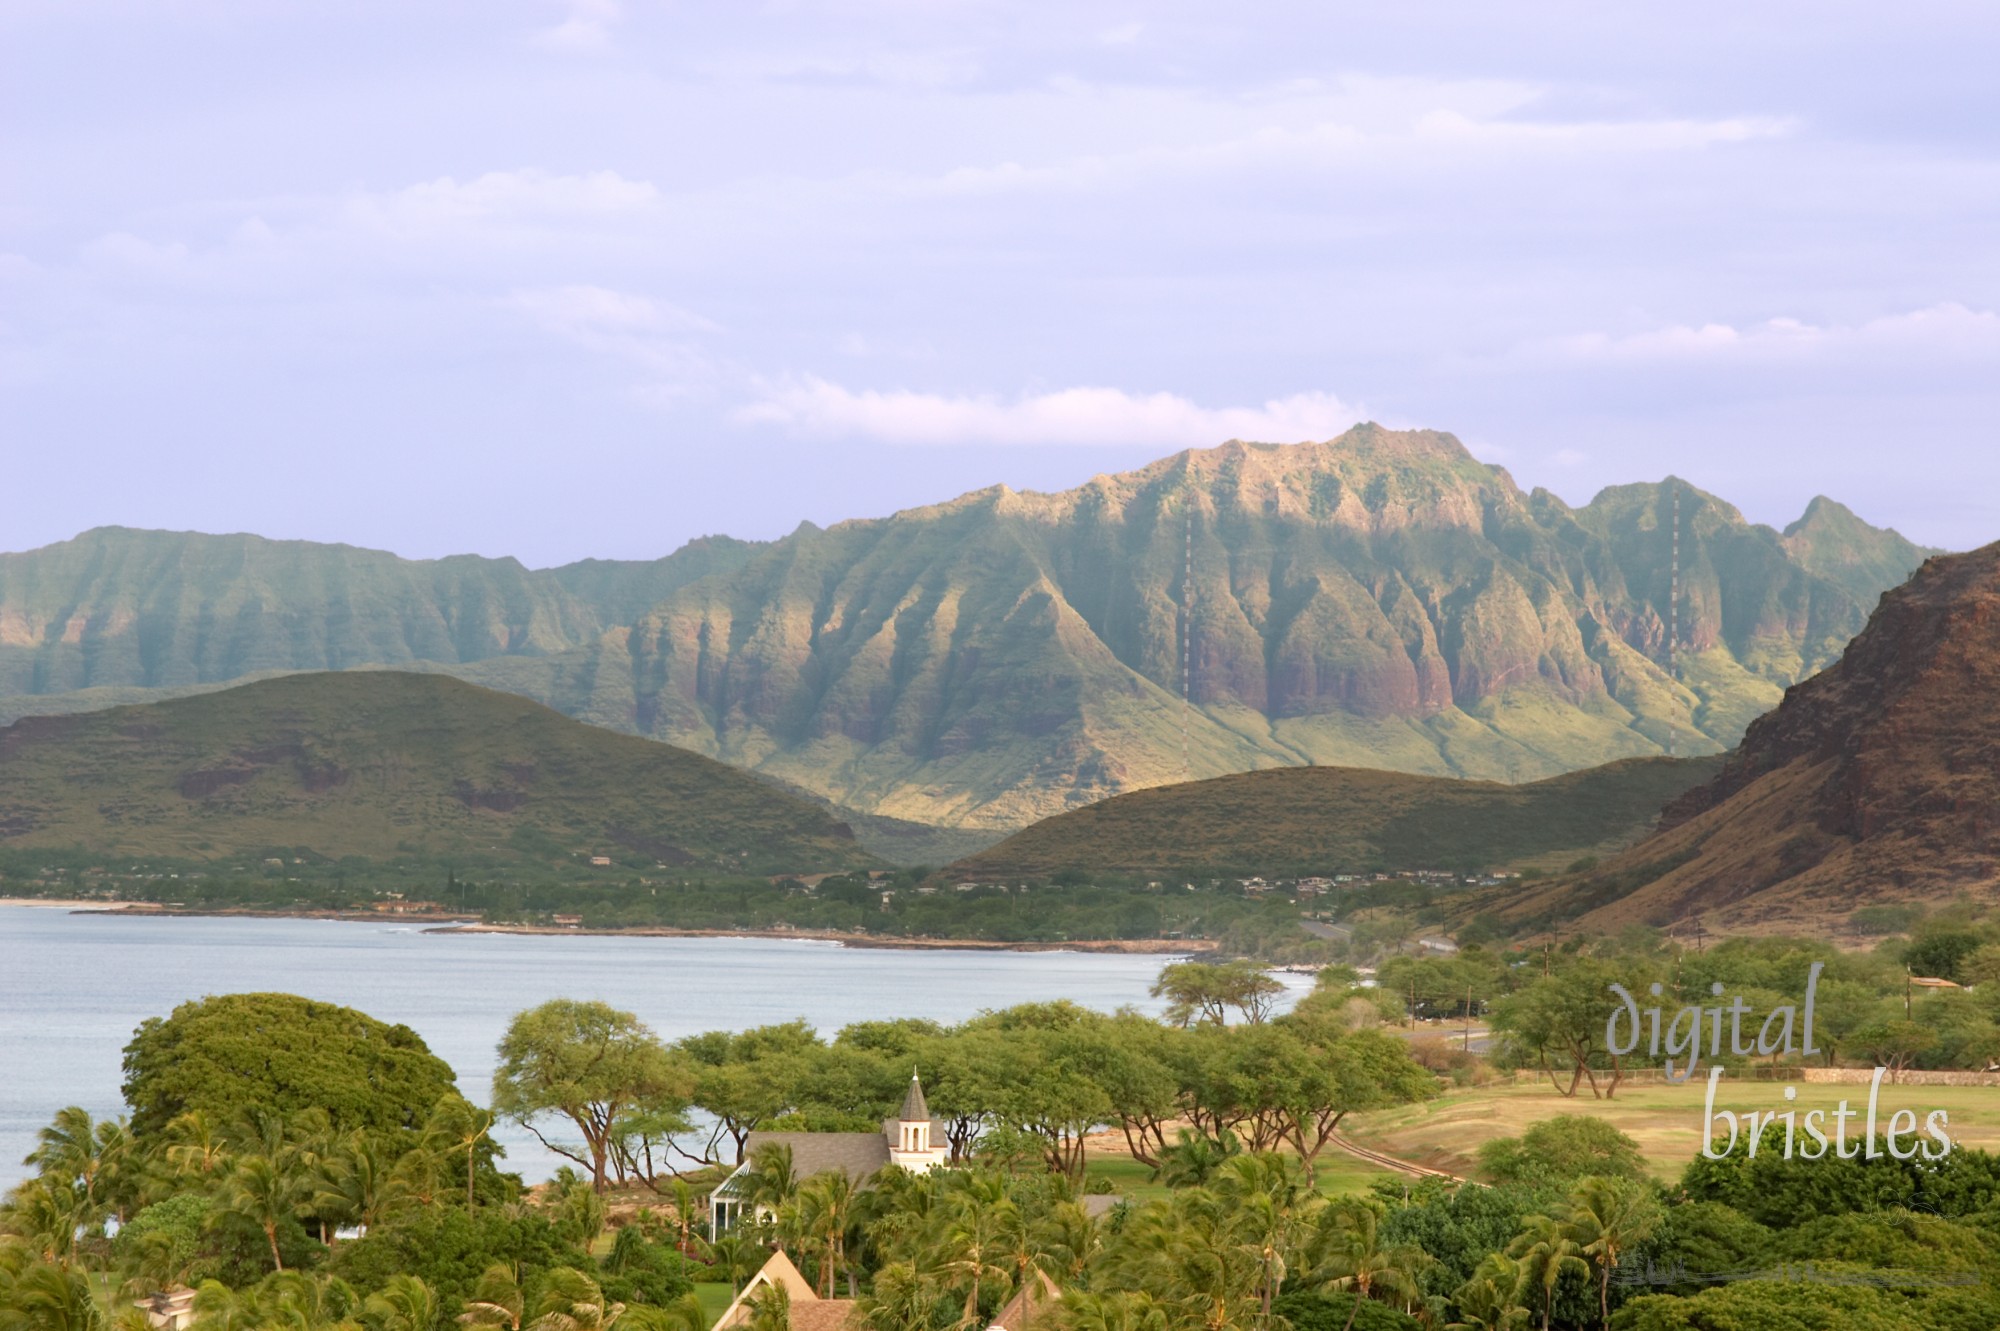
column 713, row 1297
column 1665, row 1120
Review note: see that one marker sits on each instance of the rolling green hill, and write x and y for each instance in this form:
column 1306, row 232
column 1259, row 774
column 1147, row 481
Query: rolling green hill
column 1318, row 820
column 384, row 763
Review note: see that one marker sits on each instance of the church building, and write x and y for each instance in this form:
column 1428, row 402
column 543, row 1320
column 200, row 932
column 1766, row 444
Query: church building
column 912, row 1140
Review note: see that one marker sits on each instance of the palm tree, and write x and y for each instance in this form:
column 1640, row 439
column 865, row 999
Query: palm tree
column 770, row 1181
column 357, row 1183
column 1195, row 1156
column 572, row 1301
column 686, row 1211
column 404, row 1304
column 771, row 1310
column 738, row 1257
column 496, row 1300
column 1115, row 1310
column 1491, row 1299
column 298, row 1301
column 1187, row 1252
column 966, row 1241
column 683, row 1314
column 1606, row 1217
column 267, row 1190
column 902, row 1298
column 45, row 1297
column 194, row 1145
column 458, row 1125
column 1547, row 1251
column 47, row 1215
column 824, row 1208
column 1070, row 1241
column 1021, row 1243
column 74, row 1150
column 1352, row 1256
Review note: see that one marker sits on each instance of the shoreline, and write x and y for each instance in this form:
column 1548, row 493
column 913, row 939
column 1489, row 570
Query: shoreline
column 1125, row 946
column 464, row 924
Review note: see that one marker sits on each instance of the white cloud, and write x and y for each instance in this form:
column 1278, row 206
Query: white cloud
column 581, row 309
column 1948, row 329
column 448, row 201
column 660, row 338
column 816, row 407
column 586, row 28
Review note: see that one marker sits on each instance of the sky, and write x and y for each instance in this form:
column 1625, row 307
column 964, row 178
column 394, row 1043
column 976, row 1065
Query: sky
column 569, row 278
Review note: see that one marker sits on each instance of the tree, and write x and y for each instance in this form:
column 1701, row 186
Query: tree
column 968, row 1242
column 282, row 1054
column 1352, row 1256
column 1607, row 1218
column 1560, row 1150
column 1199, row 991
column 771, row 1309
column 586, row 1062
column 496, row 1301
column 1558, row 1024
column 1491, row 1299
column 404, row 1304
column 572, row 1301
column 267, row 1189
column 1548, row 1253
column 461, row 1127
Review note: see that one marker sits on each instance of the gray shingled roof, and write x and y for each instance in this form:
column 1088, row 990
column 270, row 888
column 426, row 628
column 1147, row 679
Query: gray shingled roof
column 914, row 1109
column 858, row 1154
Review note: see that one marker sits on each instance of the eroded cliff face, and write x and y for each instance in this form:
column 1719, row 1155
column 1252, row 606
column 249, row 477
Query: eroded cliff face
column 1877, row 779
column 1382, row 599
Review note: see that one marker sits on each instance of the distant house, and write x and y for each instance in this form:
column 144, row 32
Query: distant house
column 911, row 1140
column 169, row 1310
column 397, row 906
column 569, row 921
column 600, row 861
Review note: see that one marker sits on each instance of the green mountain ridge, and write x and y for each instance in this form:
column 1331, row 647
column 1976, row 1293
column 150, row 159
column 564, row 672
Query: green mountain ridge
column 1321, row 820
column 117, row 608
column 381, row 764
column 1381, row 600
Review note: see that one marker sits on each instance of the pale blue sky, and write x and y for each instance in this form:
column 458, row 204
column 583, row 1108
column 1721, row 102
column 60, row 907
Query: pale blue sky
column 560, row 279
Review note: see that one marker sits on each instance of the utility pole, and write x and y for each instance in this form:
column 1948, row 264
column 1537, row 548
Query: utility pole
column 1187, row 636
column 1468, row 1018
column 1674, row 620
column 1906, row 993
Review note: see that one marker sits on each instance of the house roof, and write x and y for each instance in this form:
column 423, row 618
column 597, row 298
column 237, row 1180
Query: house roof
column 857, row 1154
column 826, row 1315
column 809, row 1312
column 1032, row 1301
column 914, row 1109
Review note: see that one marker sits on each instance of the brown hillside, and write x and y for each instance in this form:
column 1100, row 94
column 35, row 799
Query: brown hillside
column 1876, row 780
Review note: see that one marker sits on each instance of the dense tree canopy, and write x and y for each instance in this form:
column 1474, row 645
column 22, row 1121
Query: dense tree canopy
column 222, row 1057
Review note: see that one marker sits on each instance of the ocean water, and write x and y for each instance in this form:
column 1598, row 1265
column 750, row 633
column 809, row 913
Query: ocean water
column 74, row 986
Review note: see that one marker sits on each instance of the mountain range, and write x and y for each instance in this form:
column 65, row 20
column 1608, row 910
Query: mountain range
column 1380, row 600
column 1875, row 781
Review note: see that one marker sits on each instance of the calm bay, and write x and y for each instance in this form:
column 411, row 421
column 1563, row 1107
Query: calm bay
column 73, row 987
